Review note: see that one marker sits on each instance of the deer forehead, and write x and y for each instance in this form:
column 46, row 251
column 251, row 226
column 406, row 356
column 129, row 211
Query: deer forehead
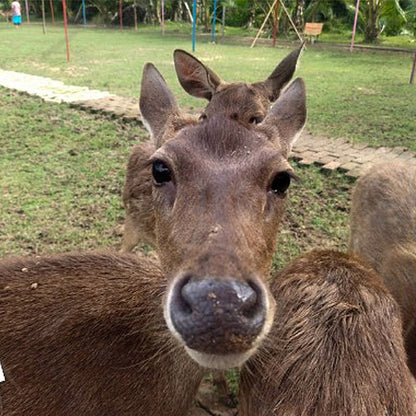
column 222, row 145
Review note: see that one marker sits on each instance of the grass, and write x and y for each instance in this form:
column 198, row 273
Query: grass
column 63, row 171
column 364, row 96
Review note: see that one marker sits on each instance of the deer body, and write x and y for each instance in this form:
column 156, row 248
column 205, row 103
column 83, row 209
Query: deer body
column 85, row 335
column 246, row 103
column 335, row 347
column 383, row 231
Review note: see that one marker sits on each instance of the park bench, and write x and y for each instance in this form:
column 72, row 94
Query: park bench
column 313, row 30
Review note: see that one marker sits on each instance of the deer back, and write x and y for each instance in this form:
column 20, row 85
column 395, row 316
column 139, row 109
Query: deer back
column 335, row 348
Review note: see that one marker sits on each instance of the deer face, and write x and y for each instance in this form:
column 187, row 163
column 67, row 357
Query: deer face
column 246, row 103
column 218, row 195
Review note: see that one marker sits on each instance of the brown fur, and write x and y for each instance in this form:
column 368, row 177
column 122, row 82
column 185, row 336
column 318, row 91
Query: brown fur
column 335, row 348
column 84, row 334
column 383, row 231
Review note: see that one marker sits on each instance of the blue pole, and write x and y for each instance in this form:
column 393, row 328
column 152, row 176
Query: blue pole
column 83, row 13
column 194, row 26
column 214, row 18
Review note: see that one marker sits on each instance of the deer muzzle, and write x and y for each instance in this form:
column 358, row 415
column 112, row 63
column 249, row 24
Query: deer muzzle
column 220, row 320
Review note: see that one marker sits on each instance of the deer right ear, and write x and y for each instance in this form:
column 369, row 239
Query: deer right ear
column 195, row 78
column 281, row 75
column 157, row 103
column 287, row 117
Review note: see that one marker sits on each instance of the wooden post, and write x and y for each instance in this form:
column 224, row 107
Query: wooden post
column 135, row 17
column 66, row 29
column 354, row 28
column 27, row 11
column 52, row 12
column 43, row 17
column 120, row 11
column 412, row 74
column 276, row 22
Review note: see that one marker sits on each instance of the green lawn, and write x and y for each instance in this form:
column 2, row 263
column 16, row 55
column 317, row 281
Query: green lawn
column 62, row 172
column 363, row 96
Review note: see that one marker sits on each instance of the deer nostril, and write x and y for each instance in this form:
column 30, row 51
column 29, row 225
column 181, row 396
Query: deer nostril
column 252, row 304
column 179, row 302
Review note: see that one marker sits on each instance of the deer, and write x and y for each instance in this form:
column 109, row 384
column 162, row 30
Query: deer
column 112, row 335
column 383, row 232
column 246, row 103
column 335, row 348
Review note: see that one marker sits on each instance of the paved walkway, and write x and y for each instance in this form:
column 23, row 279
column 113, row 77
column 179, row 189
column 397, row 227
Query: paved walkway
column 331, row 154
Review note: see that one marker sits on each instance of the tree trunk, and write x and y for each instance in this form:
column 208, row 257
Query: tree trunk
column 299, row 14
column 372, row 21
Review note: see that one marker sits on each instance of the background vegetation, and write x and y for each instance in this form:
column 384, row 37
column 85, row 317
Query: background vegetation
column 364, row 96
column 376, row 17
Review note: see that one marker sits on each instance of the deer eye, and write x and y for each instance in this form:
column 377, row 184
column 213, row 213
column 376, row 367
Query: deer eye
column 161, row 172
column 203, row 116
column 255, row 120
column 280, row 183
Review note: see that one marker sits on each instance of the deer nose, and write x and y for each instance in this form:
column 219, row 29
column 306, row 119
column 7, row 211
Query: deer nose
column 217, row 316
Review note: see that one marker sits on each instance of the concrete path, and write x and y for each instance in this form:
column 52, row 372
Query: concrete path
column 331, row 154
column 47, row 88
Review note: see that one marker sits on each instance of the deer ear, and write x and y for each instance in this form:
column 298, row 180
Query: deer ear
column 287, row 116
column 195, row 78
column 157, row 103
column 281, row 75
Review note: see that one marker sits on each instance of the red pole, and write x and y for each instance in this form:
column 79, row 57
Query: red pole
column 66, row 30
column 27, row 11
column 52, row 13
column 357, row 6
column 121, row 14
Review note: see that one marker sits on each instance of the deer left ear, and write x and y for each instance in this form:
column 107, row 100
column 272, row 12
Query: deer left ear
column 157, row 103
column 281, row 75
column 287, row 117
column 195, row 78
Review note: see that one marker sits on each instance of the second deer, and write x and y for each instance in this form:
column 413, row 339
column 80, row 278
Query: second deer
column 383, row 231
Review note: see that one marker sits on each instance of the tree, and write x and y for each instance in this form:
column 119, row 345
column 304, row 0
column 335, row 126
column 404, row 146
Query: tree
column 376, row 9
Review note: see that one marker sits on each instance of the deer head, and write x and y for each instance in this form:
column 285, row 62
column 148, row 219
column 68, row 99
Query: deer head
column 247, row 103
column 218, row 194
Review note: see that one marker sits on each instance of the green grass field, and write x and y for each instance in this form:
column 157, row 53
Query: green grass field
column 63, row 171
column 364, row 96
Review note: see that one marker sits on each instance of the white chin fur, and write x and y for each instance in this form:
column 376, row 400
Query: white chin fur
column 219, row 362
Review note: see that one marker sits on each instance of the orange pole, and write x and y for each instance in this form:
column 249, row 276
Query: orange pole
column 66, row 30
